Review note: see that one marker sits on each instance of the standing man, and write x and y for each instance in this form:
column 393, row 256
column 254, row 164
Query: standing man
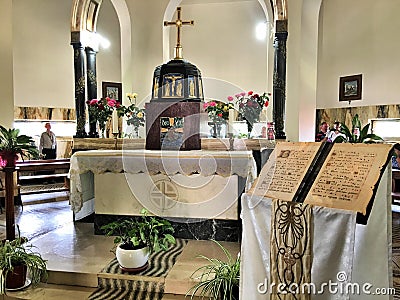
column 48, row 143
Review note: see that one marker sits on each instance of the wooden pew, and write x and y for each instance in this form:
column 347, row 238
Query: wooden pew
column 40, row 172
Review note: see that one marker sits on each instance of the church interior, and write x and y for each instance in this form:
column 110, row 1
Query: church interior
column 308, row 56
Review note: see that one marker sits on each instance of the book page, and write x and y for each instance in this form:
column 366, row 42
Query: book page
column 283, row 172
column 348, row 176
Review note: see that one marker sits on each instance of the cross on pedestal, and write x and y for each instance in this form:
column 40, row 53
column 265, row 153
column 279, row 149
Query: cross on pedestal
column 178, row 23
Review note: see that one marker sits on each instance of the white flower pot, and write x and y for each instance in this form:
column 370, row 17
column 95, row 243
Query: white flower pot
column 132, row 259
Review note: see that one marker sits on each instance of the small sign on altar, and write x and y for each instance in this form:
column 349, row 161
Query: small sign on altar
column 171, row 133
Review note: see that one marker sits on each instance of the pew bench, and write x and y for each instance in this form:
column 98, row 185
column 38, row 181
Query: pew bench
column 35, row 176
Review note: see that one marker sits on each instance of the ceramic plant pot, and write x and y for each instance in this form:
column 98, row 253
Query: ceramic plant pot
column 132, row 260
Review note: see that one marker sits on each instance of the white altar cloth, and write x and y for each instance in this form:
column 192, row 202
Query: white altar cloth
column 343, row 252
column 170, row 163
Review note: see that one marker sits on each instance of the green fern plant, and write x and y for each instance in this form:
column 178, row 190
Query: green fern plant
column 362, row 137
column 219, row 279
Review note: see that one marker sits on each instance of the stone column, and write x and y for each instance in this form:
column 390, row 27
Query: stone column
column 279, row 89
column 80, row 89
column 91, row 76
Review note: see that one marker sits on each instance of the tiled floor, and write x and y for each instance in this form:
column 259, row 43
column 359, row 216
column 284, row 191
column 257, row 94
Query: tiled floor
column 75, row 255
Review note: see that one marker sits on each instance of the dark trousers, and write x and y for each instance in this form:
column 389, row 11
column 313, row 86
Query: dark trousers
column 49, row 153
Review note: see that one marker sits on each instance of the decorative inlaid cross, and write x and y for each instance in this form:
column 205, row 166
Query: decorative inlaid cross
column 178, row 23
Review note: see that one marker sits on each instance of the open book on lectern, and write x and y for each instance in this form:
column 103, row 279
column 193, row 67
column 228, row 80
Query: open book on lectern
column 335, row 175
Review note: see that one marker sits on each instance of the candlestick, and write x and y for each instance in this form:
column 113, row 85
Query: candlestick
column 115, row 122
column 231, row 120
column 264, row 115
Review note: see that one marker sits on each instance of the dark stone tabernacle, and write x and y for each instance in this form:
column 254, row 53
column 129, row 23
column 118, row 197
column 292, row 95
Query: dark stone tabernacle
column 173, row 114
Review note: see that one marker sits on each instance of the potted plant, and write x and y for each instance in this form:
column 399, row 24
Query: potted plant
column 16, row 258
column 136, row 238
column 13, row 144
column 357, row 135
column 219, row 280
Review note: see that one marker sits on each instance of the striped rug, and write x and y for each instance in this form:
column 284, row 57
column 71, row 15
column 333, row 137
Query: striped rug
column 115, row 284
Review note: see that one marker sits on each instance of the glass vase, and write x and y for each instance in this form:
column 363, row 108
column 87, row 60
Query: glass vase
column 216, row 129
column 102, row 130
column 135, row 133
column 249, row 128
column 103, row 133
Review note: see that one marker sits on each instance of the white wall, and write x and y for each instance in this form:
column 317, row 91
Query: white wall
column 108, row 60
column 223, row 45
column 43, row 56
column 6, row 67
column 359, row 36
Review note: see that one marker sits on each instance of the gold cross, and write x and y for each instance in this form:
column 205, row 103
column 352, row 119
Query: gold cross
column 178, row 23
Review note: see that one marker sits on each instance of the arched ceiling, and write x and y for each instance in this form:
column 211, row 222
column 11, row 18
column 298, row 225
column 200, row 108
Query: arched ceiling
column 84, row 15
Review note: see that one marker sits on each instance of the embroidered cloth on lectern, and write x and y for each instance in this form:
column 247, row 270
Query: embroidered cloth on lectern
column 290, row 250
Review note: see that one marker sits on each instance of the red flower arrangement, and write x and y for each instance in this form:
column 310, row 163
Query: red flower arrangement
column 102, row 110
column 250, row 106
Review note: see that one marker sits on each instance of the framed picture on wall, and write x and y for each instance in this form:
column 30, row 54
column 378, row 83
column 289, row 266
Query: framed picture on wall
column 112, row 90
column 350, row 88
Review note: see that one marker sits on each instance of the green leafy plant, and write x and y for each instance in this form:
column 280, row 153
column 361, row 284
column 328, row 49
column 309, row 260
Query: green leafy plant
column 18, row 252
column 11, row 142
column 219, row 279
column 153, row 232
column 357, row 135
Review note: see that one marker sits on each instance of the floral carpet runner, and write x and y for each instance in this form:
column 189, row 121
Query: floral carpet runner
column 115, row 284
column 290, row 249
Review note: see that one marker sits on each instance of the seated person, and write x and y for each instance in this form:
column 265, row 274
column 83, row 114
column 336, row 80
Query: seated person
column 323, row 131
column 396, row 157
column 335, row 132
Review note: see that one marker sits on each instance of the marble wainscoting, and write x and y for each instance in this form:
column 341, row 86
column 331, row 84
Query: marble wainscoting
column 365, row 113
column 44, row 113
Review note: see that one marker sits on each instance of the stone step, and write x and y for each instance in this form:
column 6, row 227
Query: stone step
column 73, row 278
column 179, row 279
column 81, row 285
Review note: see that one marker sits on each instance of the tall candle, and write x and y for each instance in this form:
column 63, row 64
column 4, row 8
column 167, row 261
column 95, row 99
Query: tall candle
column 264, row 114
column 231, row 120
column 115, row 122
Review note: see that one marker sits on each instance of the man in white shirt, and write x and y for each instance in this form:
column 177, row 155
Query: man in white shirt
column 333, row 134
column 48, row 143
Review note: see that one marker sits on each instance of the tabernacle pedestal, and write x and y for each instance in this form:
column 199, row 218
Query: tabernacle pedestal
column 186, row 136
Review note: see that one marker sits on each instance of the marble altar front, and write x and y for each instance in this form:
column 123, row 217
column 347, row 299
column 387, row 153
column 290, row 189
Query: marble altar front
column 197, row 190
